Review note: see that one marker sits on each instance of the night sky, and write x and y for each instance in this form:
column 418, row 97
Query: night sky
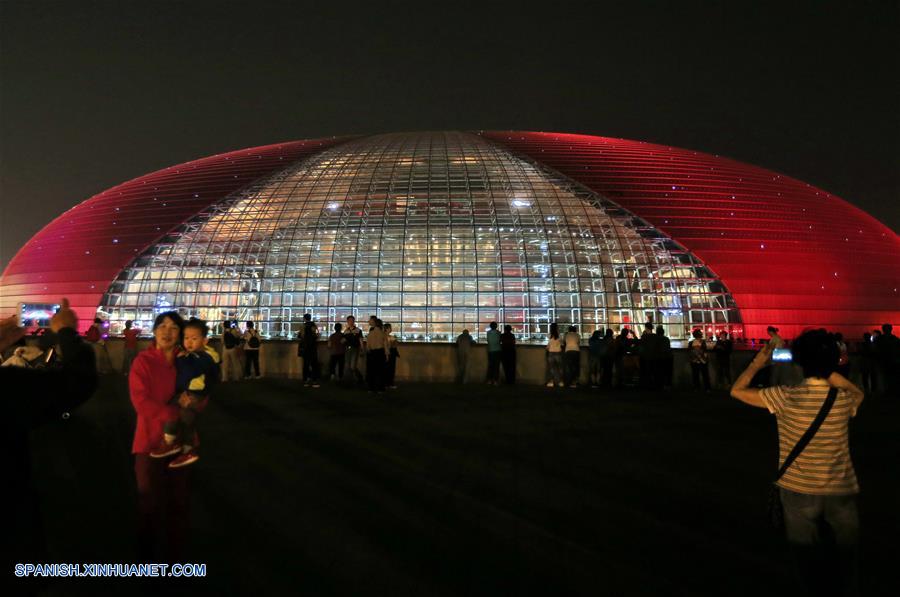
column 95, row 93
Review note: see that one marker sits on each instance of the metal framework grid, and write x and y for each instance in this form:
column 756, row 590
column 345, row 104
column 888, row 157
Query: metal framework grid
column 432, row 232
column 81, row 251
column 788, row 253
column 792, row 255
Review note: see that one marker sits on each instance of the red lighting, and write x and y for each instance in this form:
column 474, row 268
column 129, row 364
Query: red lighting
column 64, row 259
column 773, row 241
column 782, row 237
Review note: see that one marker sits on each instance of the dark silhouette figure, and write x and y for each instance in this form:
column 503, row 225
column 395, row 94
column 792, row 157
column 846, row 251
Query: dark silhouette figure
column 508, row 354
column 607, row 358
column 722, row 350
column 41, row 396
column 647, row 348
column 663, row 362
column 887, row 357
column 622, row 347
column 309, row 351
column 866, row 352
column 699, row 358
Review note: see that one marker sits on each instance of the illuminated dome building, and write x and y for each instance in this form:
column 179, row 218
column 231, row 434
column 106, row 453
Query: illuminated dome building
column 436, row 232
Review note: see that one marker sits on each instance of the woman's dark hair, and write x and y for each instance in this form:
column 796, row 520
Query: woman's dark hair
column 816, row 351
column 609, row 333
column 697, row 334
column 337, row 327
column 249, row 325
column 173, row 315
column 660, row 331
column 507, row 328
column 554, row 331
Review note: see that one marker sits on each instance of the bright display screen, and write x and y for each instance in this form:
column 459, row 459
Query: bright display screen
column 782, row 355
column 36, row 314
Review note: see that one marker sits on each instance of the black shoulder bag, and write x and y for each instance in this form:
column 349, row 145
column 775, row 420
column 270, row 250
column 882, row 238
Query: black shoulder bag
column 776, row 510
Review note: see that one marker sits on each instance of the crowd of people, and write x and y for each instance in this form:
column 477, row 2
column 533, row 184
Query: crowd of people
column 369, row 356
column 613, row 359
column 170, row 384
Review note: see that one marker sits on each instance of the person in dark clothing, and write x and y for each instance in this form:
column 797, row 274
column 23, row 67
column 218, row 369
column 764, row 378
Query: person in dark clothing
column 494, row 352
column 376, row 355
column 887, row 359
column 251, row 345
column 866, row 362
column 608, row 358
column 337, row 349
column 723, row 349
column 130, row 351
column 96, row 337
column 52, row 391
column 622, row 347
column 464, row 343
column 699, row 358
column 393, row 353
column 646, row 352
column 508, row 354
column 572, row 357
column 665, row 361
column 353, row 337
column 595, row 353
column 309, row 351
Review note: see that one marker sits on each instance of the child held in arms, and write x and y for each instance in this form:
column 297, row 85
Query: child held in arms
column 197, row 371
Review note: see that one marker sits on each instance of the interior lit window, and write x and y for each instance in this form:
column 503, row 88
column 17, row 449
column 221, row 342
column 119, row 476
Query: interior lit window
column 432, row 232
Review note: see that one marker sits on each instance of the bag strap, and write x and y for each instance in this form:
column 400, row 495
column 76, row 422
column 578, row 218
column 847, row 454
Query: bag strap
column 813, row 428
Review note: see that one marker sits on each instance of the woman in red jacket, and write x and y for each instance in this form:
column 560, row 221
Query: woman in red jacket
column 163, row 497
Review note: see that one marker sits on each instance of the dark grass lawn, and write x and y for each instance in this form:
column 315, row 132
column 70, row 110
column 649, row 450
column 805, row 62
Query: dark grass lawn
column 455, row 490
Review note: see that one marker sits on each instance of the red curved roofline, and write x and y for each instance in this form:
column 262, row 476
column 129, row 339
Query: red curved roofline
column 79, row 253
column 791, row 254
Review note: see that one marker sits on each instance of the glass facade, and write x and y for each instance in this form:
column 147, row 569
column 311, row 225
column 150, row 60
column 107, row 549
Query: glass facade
column 433, row 233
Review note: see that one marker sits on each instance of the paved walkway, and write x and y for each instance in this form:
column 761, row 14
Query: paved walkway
column 451, row 490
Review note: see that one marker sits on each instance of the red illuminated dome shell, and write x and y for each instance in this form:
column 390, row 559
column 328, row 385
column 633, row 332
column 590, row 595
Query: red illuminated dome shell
column 775, row 250
column 792, row 255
